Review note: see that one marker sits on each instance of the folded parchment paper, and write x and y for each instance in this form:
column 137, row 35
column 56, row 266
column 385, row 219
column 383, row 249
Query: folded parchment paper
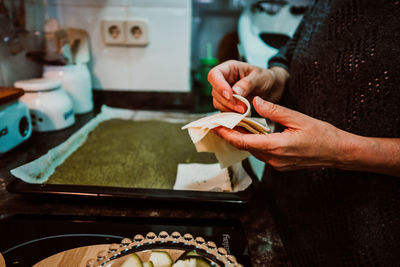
column 206, row 141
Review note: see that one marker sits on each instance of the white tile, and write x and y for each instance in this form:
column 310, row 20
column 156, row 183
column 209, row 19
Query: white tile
column 108, row 3
column 109, row 63
column 164, row 64
column 89, row 2
column 56, row 12
column 110, row 69
column 35, row 14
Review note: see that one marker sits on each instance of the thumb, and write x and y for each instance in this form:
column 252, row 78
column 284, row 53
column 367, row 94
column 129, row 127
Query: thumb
column 286, row 117
column 245, row 85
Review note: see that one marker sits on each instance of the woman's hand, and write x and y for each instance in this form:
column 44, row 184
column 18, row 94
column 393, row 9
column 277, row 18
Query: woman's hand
column 246, row 80
column 308, row 142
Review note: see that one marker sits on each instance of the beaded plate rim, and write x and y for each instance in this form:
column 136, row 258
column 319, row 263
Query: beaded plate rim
column 151, row 241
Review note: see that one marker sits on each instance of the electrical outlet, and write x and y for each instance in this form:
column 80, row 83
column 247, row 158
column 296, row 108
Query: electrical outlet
column 137, row 32
column 113, row 32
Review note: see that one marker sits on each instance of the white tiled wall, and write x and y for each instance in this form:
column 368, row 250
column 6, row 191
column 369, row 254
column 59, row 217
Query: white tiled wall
column 162, row 65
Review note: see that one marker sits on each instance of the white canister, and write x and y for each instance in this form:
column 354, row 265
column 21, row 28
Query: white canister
column 76, row 81
column 49, row 105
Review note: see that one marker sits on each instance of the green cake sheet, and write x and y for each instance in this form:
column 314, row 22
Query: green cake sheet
column 126, row 153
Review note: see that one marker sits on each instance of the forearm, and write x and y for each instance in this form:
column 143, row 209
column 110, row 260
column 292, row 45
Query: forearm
column 378, row 155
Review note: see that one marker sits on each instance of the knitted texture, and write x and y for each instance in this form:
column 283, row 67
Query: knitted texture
column 344, row 69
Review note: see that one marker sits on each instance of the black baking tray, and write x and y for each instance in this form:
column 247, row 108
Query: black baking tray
column 27, row 239
column 237, row 198
column 40, row 143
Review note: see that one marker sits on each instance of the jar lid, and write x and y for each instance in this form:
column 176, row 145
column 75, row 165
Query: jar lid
column 41, row 84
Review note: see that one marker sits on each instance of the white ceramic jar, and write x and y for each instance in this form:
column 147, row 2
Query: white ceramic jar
column 49, row 105
column 76, row 81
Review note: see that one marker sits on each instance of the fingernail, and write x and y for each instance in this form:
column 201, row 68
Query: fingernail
column 259, row 101
column 226, row 95
column 237, row 90
column 240, row 109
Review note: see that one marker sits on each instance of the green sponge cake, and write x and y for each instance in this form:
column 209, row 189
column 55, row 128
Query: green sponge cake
column 125, row 153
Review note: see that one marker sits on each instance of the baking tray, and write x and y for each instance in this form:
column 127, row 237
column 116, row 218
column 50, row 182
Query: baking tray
column 236, row 198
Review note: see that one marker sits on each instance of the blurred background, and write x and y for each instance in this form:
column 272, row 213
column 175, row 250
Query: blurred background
column 176, row 43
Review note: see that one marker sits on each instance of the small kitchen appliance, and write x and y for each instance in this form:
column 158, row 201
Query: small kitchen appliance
column 264, row 27
column 50, row 107
column 15, row 123
column 76, row 81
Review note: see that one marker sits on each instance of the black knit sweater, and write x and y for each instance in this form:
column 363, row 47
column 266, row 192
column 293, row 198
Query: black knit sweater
column 344, row 69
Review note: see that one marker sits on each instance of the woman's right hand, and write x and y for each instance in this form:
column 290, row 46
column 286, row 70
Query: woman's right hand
column 235, row 77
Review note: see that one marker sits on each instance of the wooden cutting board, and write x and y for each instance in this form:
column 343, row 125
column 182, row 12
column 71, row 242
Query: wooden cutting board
column 8, row 94
column 73, row 257
column 2, row 262
column 79, row 256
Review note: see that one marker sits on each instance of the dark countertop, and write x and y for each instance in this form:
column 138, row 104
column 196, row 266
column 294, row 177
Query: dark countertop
column 264, row 243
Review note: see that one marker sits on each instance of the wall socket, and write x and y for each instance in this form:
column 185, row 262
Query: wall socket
column 125, row 33
column 113, row 32
column 137, row 32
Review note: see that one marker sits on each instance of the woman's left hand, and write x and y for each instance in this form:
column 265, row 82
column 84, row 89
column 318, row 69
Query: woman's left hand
column 305, row 143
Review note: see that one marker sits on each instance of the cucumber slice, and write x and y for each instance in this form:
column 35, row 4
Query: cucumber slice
column 132, row 261
column 183, row 263
column 192, row 253
column 188, row 255
column 161, row 259
column 148, row 264
column 196, row 259
column 193, row 262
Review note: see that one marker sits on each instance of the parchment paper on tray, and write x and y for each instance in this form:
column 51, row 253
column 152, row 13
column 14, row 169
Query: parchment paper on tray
column 210, row 177
column 40, row 170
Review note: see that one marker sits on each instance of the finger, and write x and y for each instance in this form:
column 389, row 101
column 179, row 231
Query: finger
column 245, row 85
column 218, row 105
column 250, row 141
column 219, row 83
column 232, row 105
column 286, row 117
column 241, row 130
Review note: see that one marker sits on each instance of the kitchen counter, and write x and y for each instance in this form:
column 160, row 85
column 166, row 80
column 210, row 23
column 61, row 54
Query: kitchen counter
column 264, row 243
